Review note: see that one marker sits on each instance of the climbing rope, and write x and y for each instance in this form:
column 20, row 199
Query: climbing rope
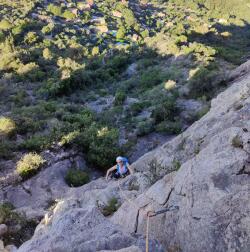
column 149, row 214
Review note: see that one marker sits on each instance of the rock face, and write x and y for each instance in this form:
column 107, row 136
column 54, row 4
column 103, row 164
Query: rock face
column 205, row 172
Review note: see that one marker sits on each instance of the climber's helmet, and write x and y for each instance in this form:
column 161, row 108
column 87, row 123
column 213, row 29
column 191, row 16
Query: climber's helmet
column 119, row 160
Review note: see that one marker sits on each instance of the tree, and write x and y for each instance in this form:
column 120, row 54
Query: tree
column 47, row 54
column 129, row 17
column 121, row 33
column 47, row 28
column 145, row 33
column 5, row 25
column 68, row 14
column 31, row 37
column 56, row 10
column 95, row 51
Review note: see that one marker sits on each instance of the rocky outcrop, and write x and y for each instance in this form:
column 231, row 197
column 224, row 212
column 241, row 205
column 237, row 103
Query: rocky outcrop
column 205, row 171
column 34, row 196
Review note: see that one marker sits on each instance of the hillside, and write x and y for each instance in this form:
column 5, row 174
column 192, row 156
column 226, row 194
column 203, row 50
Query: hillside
column 66, row 65
column 82, row 82
column 210, row 186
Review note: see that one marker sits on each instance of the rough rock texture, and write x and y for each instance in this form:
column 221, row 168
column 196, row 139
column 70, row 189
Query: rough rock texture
column 205, row 172
column 9, row 248
column 3, row 229
column 34, row 196
column 77, row 224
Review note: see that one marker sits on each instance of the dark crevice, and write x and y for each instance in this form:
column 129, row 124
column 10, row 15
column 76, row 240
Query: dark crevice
column 26, row 190
column 137, row 217
column 136, row 221
column 243, row 171
column 166, row 201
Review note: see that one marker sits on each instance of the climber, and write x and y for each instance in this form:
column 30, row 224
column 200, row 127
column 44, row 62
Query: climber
column 122, row 169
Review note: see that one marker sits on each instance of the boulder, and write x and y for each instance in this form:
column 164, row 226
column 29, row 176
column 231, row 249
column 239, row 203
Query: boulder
column 11, row 248
column 3, row 229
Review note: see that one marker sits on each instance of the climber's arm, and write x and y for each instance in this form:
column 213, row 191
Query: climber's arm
column 110, row 170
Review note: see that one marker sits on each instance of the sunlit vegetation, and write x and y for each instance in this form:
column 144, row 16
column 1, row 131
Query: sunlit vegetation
column 74, row 74
column 29, row 165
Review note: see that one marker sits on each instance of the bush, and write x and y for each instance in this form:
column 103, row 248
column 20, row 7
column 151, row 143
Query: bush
column 145, row 33
column 237, row 142
column 68, row 14
column 169, row 127
column 29, row 165
column 101, row 145
column 121, row 33
column 5, row 25
column 35, row 143
column 6, row 149
column 205, row 82
column 31, row 37
column 47, row 54
column 150, row 78
column 111, row 207
column 56, row 10
column 7, row 126
column 75, row 178
column 48, row 28
column 144, row 127
column 69, row 138
column 120, row 97
column 170, row 84
column 30, row 71
column 136, row 108
column 13, row 220
column 165, row 111
column 5, row 212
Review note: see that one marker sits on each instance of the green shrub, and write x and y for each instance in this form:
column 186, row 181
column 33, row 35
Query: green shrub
column 2, row 37
column 145, row 33
column 7, row 126
column 28, row 124
column 144, row 127
column 166, row 111
column 150, row 78
column 68, row 14
column 237, row 142
column 36, row 143
column 48, row 28
column 202, row 112
column 101, row 145
column 69, row 138
column 56, row 10
column 13, row 220
column 6, row 149
column 176, row 165
column 121, row 33
column 31, row 38
column 47, row 54
column 169, row 127
column 111, row 207
column 137, row 107
column 120, row 97
column 29, row 165
column 233, row 55
column 5, row 24
column 6, row 212
column 95, row 51
column 75, row 178
column 205, row 82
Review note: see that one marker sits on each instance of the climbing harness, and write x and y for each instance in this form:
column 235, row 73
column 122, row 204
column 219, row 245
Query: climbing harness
column 149, row 214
